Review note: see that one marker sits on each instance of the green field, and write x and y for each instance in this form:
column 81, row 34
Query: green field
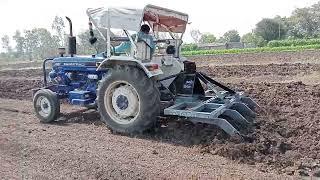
column 251, row 50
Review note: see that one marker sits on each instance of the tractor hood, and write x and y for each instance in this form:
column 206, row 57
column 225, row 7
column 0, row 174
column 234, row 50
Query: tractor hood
column 161, row 19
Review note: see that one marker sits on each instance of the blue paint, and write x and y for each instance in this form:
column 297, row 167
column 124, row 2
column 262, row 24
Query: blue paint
column 70, row 78
column 122, row 102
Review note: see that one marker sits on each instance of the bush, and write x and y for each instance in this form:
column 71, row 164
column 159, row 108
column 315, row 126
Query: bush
column 189, row 47
column 293, row 42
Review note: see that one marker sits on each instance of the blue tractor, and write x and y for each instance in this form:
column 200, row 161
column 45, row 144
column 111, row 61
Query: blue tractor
column 140, row 76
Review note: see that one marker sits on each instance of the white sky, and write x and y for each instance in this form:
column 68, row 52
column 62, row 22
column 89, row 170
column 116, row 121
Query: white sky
column 212, row 16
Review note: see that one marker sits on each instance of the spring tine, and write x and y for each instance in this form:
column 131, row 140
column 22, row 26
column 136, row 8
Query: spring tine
column 244, row 110
column 250, row 103
column 220, row 122
column 235, row 115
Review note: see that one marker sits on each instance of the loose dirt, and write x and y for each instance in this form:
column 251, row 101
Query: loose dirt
column 284, row 142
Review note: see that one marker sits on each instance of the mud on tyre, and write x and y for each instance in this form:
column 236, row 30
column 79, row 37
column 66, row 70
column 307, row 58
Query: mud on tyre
column 128, row 101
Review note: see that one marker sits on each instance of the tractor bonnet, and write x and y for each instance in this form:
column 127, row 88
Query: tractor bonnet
column 160, row 19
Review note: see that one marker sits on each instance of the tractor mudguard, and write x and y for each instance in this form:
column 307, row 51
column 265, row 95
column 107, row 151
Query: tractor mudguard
column 151, row 69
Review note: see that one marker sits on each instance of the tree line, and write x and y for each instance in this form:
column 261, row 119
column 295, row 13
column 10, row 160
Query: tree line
column 40, row 43
column 304, row 23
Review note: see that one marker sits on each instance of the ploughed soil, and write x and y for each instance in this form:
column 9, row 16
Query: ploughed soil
column 308, row 56
column 285, row 69
column 284, row 140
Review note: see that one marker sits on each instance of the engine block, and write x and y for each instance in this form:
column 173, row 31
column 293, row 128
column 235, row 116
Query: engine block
column 76, row 78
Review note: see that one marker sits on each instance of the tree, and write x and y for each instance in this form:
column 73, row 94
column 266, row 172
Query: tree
column 284, row 24
column 231, row 36
column 207, row 38
column 251, row 38
column 47, row 43
column 305, row 22
column 58, row 26
column 196, row 35
column 221, row 40
column 5, row 41
column 39, row 43
column 84, row 47
column 19, row 43
column 270, row 29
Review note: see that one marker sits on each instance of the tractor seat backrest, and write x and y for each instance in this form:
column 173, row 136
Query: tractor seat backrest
column 143, row 51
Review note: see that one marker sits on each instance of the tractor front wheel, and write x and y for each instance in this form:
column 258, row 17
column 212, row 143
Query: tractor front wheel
column 46, row 105
column 128, row 101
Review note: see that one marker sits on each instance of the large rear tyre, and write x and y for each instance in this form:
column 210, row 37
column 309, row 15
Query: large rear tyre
column 46, row 105
column 128, row 101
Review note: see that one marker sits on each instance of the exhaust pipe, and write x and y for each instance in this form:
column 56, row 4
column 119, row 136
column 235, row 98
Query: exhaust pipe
column 72, row 42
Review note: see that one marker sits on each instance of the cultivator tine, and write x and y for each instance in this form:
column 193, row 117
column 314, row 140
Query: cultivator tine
column 244, row 110
column 236, row 116
column 221, row 123
column 250, row 103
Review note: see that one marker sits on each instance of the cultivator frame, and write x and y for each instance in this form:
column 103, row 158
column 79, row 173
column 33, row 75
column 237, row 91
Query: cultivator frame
column 227, row 109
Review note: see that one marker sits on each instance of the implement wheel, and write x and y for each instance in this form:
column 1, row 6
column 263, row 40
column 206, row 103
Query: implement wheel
column 128, row 100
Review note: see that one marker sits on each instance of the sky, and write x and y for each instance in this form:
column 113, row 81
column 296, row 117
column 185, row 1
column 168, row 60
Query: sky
column 212, row 16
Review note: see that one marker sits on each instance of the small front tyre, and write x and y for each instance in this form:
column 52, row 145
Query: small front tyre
column 46, row 105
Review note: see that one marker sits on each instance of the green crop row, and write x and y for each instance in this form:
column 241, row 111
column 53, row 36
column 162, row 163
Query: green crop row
column 250, row 50
column 293, row 42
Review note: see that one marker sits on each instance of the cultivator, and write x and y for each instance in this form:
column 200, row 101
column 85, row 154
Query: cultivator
column 219, row 105
column 128, row 88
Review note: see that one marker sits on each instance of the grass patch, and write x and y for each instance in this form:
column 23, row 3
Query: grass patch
column 250, row 50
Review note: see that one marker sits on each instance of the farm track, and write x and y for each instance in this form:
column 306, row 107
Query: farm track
column 285, row 142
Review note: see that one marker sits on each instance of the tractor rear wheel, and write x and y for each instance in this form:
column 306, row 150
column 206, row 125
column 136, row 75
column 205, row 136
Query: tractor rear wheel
column 128, row 100
column 46, row 105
